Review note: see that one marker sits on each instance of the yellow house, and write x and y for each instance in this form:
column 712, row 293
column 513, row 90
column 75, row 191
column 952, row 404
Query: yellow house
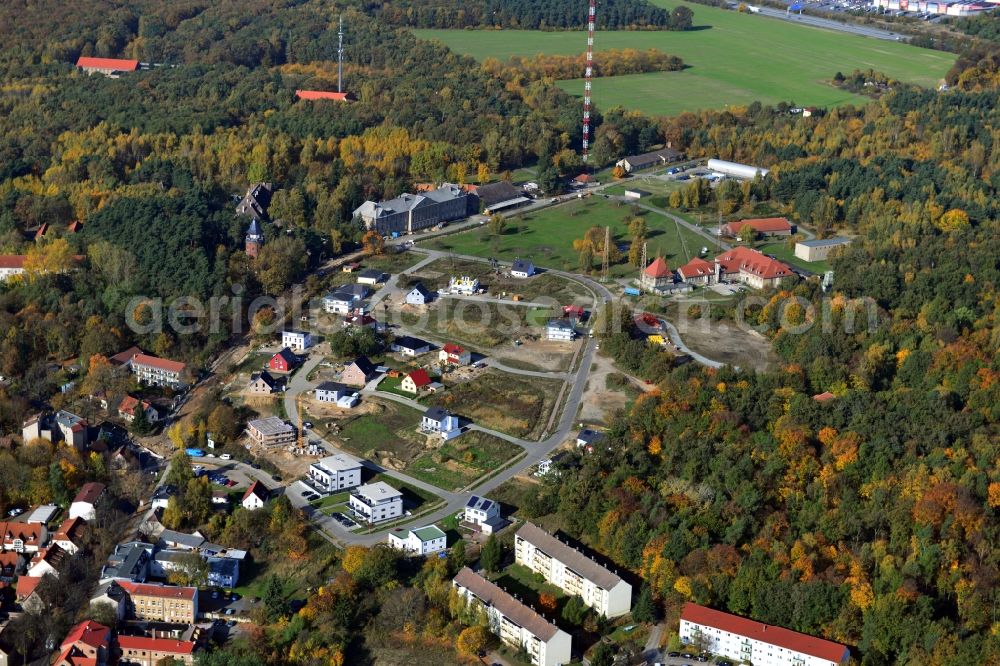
column 656, row 340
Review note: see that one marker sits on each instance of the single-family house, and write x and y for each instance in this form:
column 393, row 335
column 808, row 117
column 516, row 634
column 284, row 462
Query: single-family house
column 419, row 541
column 439, row 421
column 223, row 571
column 376, row 502
column 574, row 312
column 763, row 226
column 47, row 561
column 561, row 330
column 128, row 406
column 255, row 497
column 371, row 276
column 220, row 498
column 181, row 540
column 23, row 537
column 161, row 496
column 87, row 644
column 70, row 535
column 85, row 503
column 345, row 298
column 336, row 472
column 297, row 340
column 358, row 372
column 271, row 431
column 522, row 268
column 414, row 381
column 264, row 383
column 11, row 265
column 452, row 354
column 284, row 360
column 418, row 295
column 410, row 346
column 11, row 565
column 588, row 438
column 362, row 321
column 482, row 514
column 646, row 160
column 130, row 561
column 338, row 394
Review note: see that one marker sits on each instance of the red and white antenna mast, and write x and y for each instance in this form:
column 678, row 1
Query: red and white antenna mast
column 587, row 77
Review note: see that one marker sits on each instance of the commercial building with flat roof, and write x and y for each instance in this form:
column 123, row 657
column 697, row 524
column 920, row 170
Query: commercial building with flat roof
column 819, row 249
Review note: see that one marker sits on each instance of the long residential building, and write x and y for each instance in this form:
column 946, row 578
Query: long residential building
column 572, row 571
column 162, row 603
column 411, row 212
column 143, row 651
column 158, row 371
column 741, row 639
column 514, row 623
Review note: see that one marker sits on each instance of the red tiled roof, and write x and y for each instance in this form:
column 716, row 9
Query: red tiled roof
column 321, row 94
column 152, row 590
column 420, row 378
column 583, row 178
column 30, row 533
column 159, row 363
column 9, row 558
column 12, row 260
column 785, row 638
column 451, row 348
column 574, row 310
column 128, row 405
column 121, row 358
column 108, row 63
column 658, row 269
column 42, row 230
column 762, row 225
column 155, row 644
column 26, row 586
column 257, row 488
column 90, row 492
column 69, row 530
column 753, row 262
column 697, row 267
column 824, row 396
column 75, row 226
column 89, row 633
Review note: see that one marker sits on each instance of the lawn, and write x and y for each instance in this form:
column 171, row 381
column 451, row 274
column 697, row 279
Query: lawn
column 295, row 575
column 546, row 237
column 459, row 462
column 394, row 385
column 734, row 59
column 436, row 274
column 517, row 405
column 392, row 430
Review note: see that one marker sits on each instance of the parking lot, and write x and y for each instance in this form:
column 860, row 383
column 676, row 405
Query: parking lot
column 688, row 659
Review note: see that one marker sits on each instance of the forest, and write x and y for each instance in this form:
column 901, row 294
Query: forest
column 611, row 62
column 524, row 14
column 869, row 519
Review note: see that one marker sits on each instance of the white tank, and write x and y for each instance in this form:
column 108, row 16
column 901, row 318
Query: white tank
column 735, row 169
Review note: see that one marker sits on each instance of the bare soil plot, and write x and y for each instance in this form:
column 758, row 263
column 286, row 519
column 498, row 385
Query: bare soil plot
column 514, row 404
column 726, row 342
column 539, row 355
column 600, row 402
column 457, row 463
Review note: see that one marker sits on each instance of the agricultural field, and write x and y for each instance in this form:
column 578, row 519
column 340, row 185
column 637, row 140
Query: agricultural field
column 517, row 405
column 733, row 59
column 459, row 462
column 546, row 237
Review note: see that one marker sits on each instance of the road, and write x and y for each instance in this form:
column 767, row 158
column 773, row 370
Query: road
column 829, row 24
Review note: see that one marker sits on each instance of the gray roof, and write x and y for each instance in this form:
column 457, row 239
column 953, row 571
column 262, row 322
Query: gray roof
column 272, row 425
column 569, row 556
column 590, row 436
column 479, row 503
column 825, row 242
column 436, row 414
column 254, row 229
column 524, row 265
column 265, row 376
column 494, row 193
column 420, row 288
column 224, row 566
column 332, row 386
column 371, row 273
column 42, row 514
column 339, row 462
column 565, row 324
column 349, row 292
column 410, row 342
column 510, row 607
column 184, row 539
column 405, row 202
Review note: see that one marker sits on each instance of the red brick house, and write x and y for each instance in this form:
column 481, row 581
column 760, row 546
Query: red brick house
column 284, row 361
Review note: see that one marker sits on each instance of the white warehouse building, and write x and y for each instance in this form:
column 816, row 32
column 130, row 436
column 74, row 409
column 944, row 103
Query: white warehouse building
column 572, row 571
column 736, row 170
column 741, row 639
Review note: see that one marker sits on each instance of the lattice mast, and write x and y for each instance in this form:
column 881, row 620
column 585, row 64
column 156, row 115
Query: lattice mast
column 340, row 56
column 605, row 263
column 591, row 13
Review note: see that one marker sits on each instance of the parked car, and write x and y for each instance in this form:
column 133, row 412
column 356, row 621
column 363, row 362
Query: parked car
column 226, row 456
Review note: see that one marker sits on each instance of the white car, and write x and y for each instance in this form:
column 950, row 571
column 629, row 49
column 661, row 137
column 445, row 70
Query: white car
column 226, row 456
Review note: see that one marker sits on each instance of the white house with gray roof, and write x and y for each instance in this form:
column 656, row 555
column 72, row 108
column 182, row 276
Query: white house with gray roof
column 419, row 541
column 572, row 571
column 411, row 212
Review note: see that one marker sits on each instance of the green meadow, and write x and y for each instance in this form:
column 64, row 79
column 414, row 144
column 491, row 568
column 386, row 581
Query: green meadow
column 733, row 59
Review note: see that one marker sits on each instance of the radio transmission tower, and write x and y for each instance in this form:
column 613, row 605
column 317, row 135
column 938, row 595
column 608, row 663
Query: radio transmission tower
column 591, row 12
column 607, row 250
column 642, row 262
column 340, row 56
